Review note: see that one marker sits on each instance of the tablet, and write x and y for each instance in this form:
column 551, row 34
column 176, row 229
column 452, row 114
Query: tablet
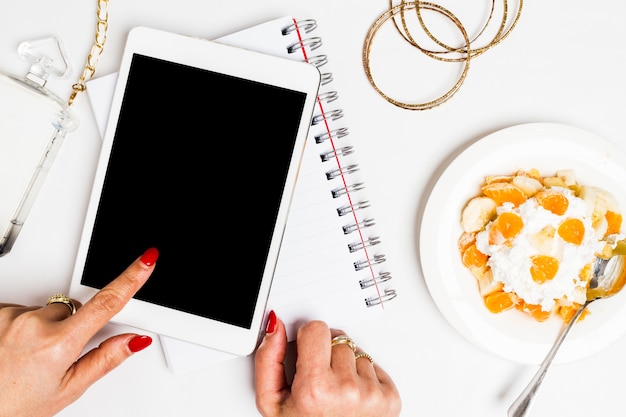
column 199, row 159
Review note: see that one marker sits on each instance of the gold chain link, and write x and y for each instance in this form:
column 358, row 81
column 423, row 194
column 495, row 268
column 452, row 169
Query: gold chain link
column 96, row 50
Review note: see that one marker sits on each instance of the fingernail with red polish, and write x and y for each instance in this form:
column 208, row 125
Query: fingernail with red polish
column 138, row 343
column 271, row 322
column 150, row 256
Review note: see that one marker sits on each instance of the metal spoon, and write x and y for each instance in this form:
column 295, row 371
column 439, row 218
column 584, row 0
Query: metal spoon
column 609, row 277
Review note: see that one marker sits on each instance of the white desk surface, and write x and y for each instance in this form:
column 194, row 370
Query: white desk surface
column 562, row 63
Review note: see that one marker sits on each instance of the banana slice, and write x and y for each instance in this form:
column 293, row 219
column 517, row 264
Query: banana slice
column 568, row 176
column 555, row 181
column 543, row 241
column 477, row 213
column 529, row 185
column 486, row 283
column 598, row 201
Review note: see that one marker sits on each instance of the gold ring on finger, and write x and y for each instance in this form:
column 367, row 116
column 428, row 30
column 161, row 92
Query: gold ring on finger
column 360, row 355
column 62, row 299
column 343, row 340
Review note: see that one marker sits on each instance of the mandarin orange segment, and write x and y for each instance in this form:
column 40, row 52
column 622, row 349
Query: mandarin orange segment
column 534, row 310
column 567, row 312
column 504, row 192
column 499, row 301
column 505, row 227
column 572, row 231
column 614, row 221
column 543, row 268
column 552, row 201
column 473, row 257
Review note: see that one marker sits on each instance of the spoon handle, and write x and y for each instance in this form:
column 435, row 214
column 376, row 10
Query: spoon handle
column 521, row 405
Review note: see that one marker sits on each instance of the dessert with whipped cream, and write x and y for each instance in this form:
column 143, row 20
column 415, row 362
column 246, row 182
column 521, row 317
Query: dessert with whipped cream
column 531, row 241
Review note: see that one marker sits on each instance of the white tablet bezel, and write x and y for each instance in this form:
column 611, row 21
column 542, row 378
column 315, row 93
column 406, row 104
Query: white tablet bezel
column 228, row 60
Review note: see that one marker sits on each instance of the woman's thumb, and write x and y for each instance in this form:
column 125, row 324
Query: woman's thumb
column 270, row 380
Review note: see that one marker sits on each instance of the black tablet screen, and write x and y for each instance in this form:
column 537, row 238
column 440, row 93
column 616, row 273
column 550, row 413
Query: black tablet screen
column 197, row 170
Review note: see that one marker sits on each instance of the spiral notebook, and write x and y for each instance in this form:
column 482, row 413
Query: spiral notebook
column 331, row 266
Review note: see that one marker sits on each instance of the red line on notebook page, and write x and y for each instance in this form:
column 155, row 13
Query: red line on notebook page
column 343, row 178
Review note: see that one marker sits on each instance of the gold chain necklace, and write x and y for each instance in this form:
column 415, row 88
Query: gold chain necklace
column 96, row 50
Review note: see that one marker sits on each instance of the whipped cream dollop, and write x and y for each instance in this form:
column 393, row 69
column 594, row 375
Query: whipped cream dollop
column 510, row 262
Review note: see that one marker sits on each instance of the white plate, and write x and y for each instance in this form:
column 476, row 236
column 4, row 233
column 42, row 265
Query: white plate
column 512, row 334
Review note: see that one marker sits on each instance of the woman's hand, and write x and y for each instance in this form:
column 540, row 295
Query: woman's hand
column 41, row 370
column 329, row 381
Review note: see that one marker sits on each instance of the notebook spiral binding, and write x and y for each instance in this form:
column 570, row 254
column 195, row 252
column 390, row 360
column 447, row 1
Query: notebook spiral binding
column 340, row 170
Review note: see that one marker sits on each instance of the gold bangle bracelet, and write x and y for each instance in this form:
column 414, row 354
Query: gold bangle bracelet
column 500, row 35
column 388, row 15
column 405, row 32
column 460, row 54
